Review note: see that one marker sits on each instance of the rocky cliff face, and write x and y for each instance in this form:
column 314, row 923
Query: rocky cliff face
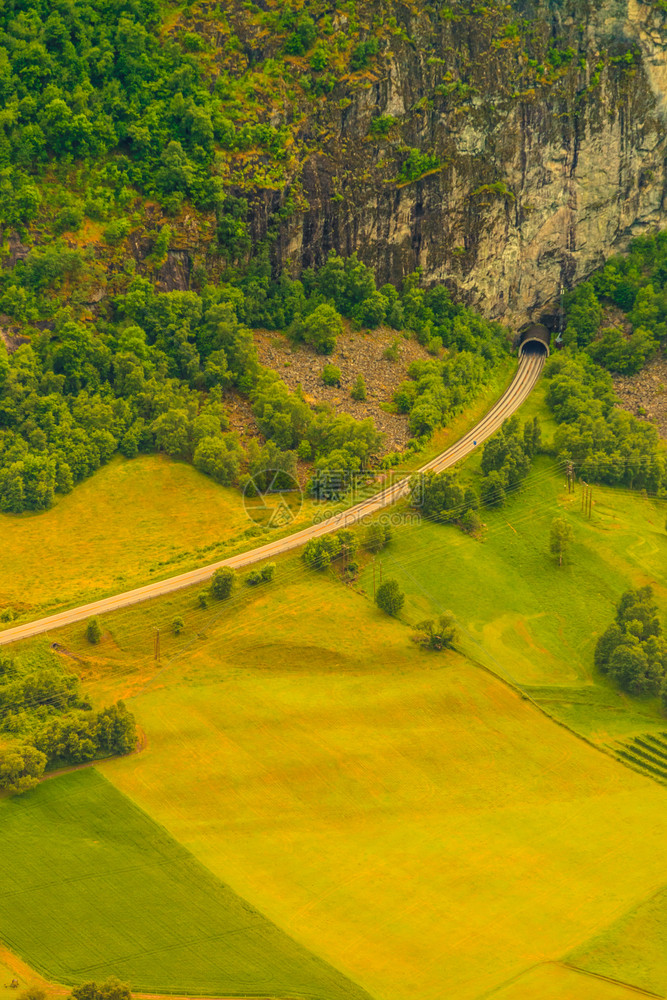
column 548, row 123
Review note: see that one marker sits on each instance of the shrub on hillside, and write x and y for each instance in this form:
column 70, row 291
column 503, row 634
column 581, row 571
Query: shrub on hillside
column 93, row 631
column 263, row 575
column 358, row 390
column 378, row 534
column 331, row 375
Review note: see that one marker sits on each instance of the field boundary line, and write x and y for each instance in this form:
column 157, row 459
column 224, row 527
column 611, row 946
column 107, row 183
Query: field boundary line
column 610, row 979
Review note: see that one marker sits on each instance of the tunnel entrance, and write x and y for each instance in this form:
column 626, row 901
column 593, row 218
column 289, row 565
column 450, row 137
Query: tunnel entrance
column 535, row 339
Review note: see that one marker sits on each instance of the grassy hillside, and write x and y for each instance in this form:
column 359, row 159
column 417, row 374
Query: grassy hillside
column 147, row 518
column 92, row 887
column 133, row 522
column 524, row 616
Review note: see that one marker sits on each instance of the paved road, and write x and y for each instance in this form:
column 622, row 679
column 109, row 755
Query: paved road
column 530, row 366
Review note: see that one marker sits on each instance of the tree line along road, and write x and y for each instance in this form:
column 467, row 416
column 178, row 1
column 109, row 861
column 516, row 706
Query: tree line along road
column 530, row 367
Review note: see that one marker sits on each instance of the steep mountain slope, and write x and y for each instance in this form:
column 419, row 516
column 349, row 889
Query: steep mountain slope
column 505, row 149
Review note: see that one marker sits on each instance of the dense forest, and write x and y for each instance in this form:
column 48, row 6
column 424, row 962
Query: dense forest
column 152, row 372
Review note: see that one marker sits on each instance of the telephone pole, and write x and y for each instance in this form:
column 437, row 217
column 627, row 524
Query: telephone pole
column 570, row 477
column 586, row 499
column 373, row 577
column 156, row 645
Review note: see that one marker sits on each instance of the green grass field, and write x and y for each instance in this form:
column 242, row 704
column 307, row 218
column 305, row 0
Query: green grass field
column 403, row 815
column 91, row 887
column 130, row 523
column 633, row 948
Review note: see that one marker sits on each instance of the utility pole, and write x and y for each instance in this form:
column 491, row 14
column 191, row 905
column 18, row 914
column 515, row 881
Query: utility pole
column 156, row 645
column 590, row 502
column 373, row 577
column 570, row 477
column 380, row 571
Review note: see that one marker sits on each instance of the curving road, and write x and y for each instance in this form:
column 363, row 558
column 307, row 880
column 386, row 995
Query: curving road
column 530, row 367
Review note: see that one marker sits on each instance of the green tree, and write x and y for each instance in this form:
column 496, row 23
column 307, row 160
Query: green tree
column 220, row 457
column 378, row 534
column 177, row 625
column 584, row 313
column 331, row 375
column 222, row 583
column 390, row 598
column 320, row 329
column 115, row 729
column 110, row 989
column 441, row 496
column 440, row 634
column 560, row 538
column 93, row 631
column 21, row 767
column 358, row 390
column 606, row 645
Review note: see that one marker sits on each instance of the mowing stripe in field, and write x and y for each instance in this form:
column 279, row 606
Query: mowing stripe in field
column 90, row 887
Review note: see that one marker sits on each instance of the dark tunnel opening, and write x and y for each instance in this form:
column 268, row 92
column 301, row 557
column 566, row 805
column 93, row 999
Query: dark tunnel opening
column 535, row 340
column 534, row 347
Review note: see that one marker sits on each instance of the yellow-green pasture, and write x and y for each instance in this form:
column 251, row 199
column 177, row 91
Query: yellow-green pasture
column 133, row 522
column 91, row 887
column 405, row 816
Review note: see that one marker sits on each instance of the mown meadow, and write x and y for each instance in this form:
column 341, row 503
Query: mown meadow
column 116, row 895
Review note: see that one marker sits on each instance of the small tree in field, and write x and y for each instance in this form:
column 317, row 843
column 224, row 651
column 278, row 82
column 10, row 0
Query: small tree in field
column 440, row 634
column 93, row 631
column 222, row 583
column 177, row 625
column 560, row 539
column 390, row 598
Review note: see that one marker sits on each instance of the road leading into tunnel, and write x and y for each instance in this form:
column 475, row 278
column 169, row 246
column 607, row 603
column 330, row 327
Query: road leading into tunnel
column 531, row 363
